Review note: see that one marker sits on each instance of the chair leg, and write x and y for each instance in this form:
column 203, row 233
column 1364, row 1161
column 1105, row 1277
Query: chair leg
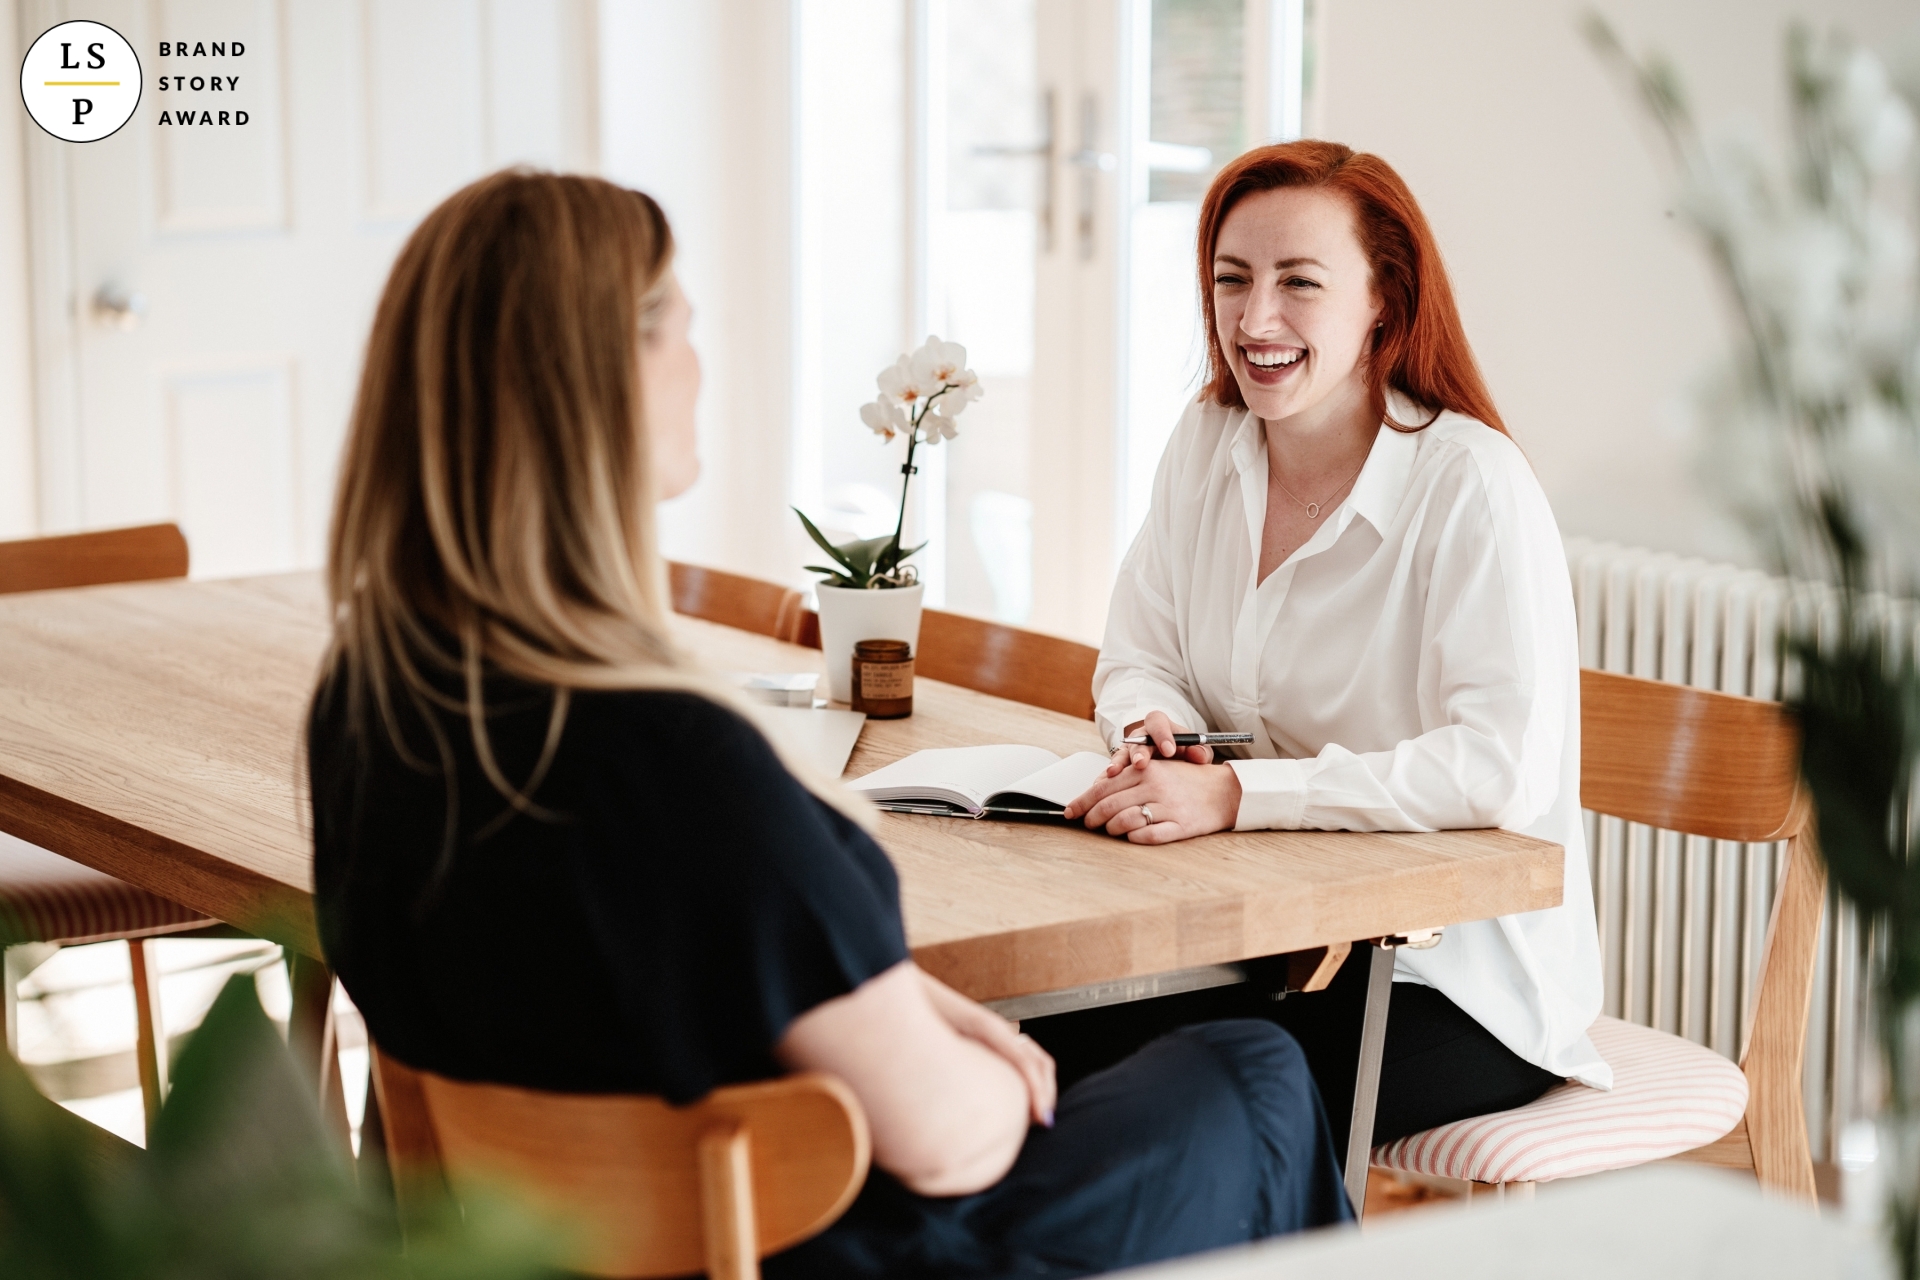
column 150, row 1039
column 310, row 1036
column 372, row 1161
column 1502, row 1191
column 726, row 1204
column 412, row 1150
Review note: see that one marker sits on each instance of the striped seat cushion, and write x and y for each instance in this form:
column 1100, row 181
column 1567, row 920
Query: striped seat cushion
column 54, row 899
column 1669, row 1095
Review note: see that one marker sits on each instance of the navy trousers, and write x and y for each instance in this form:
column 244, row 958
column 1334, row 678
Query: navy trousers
column 1210, row 1136
column 1439, row 1065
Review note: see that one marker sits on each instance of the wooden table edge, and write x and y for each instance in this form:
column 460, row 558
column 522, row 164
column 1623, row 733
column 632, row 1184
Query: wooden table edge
column 988, row 967
column 147, row 860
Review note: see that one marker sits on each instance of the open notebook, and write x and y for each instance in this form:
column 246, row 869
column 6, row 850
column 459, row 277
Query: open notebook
column 981, row 782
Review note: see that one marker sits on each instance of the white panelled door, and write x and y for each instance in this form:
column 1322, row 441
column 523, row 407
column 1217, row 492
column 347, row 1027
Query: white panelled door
column 203, row 291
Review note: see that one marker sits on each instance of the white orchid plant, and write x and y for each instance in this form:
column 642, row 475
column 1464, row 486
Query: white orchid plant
column 921, row 397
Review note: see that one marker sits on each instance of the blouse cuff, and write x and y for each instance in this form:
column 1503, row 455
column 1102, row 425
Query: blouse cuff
column 1131, row 703
column 1273, row 794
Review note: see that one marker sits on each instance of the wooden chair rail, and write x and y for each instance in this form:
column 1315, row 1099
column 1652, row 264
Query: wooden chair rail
column 990, row 657
column 1683, row 759
column 89, row 559
column 660, row 1190
column 1008, row 662
column 1775, row 1052
column 764, row 608
column 1725, row 767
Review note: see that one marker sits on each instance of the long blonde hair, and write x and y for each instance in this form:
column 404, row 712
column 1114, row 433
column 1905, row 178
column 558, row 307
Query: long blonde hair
column 496, row 487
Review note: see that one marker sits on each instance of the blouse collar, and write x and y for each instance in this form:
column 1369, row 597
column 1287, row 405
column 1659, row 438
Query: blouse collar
column 1384, row 477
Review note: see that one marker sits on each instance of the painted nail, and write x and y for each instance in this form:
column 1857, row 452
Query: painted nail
column 1047, row 1119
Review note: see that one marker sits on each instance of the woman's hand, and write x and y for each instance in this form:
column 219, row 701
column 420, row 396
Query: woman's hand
column 1160, row 729
column 977, row 1022
column 1157, row 801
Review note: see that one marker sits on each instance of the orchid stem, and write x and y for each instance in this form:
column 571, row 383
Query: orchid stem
column 906, row 476
column 906, row 480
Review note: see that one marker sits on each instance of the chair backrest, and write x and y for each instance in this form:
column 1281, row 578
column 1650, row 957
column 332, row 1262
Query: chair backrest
column 657, row 1190
column 1709, row 764
column 766, row 608
column 1008, row 662
column 1728, row 768
column 89, row 559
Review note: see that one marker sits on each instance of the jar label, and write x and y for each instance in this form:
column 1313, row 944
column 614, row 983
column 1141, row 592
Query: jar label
column 886, row 681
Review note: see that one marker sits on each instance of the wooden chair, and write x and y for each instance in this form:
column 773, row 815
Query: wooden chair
column 1707, row 764
column 657, row 1190
column 1008, row 662
column 88, row 559
column 765, row 608
column 50, row 902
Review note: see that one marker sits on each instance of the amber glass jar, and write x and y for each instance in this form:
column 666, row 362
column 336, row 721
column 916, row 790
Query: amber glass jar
column 883, row 678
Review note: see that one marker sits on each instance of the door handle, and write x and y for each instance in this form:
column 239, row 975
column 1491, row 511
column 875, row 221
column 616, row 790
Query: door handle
column 119, row 308
column 1043, row 151
column 1091, row 161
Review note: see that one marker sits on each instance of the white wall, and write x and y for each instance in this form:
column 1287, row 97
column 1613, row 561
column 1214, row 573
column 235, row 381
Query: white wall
column 1591, row 310
column 695, row 112
column 19, row 512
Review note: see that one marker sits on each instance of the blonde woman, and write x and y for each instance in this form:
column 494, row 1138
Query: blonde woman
column 550, row 852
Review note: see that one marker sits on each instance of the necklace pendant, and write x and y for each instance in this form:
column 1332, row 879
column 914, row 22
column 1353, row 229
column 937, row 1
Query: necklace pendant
column 1313, row 511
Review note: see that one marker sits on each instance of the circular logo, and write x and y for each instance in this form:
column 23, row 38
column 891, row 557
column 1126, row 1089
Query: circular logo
column 80, row 81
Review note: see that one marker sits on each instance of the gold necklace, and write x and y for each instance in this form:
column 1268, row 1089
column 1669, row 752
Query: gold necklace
column 1313, row 508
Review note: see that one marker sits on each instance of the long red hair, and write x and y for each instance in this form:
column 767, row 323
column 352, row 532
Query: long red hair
column 1420, row 348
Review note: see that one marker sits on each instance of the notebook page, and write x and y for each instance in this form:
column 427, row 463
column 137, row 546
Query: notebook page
column 974, row 772
column 1061, row 782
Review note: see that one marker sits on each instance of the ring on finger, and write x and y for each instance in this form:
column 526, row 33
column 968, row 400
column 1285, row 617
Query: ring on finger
column 1146, row 811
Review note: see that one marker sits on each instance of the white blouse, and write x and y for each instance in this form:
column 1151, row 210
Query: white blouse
column 1413, row 667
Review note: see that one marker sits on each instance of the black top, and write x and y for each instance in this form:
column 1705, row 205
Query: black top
column 682, row 901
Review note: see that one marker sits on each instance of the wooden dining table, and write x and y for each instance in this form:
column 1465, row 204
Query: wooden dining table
column 153, row 731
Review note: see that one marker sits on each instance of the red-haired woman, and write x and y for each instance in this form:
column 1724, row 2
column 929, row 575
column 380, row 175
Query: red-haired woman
column 1347, row 557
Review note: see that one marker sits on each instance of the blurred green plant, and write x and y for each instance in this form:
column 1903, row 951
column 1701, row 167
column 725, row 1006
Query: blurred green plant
column 241, row 1179
column 1813, row 437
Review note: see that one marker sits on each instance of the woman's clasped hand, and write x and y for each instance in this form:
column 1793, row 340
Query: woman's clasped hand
column 1157, row 792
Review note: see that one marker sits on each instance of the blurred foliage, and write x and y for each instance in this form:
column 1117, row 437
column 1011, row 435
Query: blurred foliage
column 1814, row 439
column 241, row 1179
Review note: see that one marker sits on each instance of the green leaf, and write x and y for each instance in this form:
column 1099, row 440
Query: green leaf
column 895, row 558
column 864, row 556
column 834, row 578
column 821, row 538
column 240, row 1110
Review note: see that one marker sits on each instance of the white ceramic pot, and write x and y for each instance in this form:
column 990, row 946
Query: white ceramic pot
column 848, row 616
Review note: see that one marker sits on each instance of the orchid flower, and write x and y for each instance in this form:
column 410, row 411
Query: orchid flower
column 921, row 394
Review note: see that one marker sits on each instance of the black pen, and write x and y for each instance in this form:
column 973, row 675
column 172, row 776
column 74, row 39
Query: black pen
column 1195, row 740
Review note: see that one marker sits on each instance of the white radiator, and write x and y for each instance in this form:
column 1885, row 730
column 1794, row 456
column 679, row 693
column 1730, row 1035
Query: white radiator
column 1683, row 920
